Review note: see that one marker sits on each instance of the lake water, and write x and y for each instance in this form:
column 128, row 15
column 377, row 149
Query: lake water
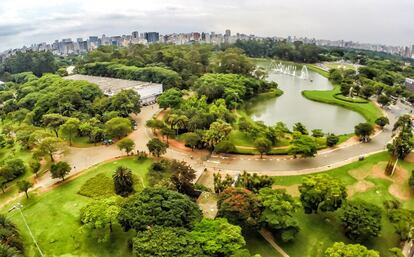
column 292, row 107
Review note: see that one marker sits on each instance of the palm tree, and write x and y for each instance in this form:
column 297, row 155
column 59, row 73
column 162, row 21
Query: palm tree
column 181, row 122
column 171, row 120
column 9, row 236
column 123, row 181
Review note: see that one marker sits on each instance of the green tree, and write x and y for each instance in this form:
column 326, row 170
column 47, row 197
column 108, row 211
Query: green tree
column 240, row 207
column 349, row 250
column 3, row 183
column 221, row 183
column 382, row 122
column 364, row 131
column 126, row 144
column 263, row 146
column 218, row 131
column 170, row 98
column 53, row 121
column 322, row 193
column 60, row 170
column 383, row 100
column 317, row 133
column 411, row 180
column 165, row 241
column 182, row 177
column 305, row 145
column 11, row 243
column 24, row 186
column 299, row 127
column 123, row 181
column 12, row 169
column 49, row 146
column 100, row 215
column 70, row 128
column 158, row 207
column 34, row 165
column 167, row 132
column 125, row 102
column 118, row 127
column 403, row 221
column 279, row 211
column 192, row 139
column 155, row 124
column 332, row 140
column 361, row 220
column 254, row 182
column 217, row 237
column 156, row 147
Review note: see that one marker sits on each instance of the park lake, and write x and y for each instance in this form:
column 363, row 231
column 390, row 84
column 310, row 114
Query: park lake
column 292, row 107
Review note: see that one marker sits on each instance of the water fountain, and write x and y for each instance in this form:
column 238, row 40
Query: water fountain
column 304, row 73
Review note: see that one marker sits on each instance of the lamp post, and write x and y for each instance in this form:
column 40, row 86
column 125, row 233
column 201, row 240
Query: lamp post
column 19, row 207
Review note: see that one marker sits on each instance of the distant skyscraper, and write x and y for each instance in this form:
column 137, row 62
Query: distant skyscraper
column 135, row 35
column 228, row 33
column 152, row 37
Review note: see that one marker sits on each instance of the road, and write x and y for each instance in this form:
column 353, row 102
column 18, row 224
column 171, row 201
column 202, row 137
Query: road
column 84, row 158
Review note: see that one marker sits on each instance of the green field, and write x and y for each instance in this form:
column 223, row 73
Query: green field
column 54, row 217
column 368, row 110
column 364, row 180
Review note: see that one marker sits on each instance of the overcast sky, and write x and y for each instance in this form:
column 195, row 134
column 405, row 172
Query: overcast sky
column 373, row 21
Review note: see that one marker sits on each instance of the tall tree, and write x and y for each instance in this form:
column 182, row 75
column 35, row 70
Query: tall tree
column 349, row 250
column 156, row 147
column 125, row 102
column 49, row 146
column 118, row 127
column 263, row 146
column 322, row 193
column 70, row 128
column 126, row 144
column 123, row 181
column 24, row 186
column 53, row 121
column 364, row 131
column 60, row 170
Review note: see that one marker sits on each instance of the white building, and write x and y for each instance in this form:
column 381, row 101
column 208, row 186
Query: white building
column 110, row 86
column 409, row 83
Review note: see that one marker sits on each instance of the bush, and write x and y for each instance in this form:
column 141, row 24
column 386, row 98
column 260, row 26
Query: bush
column 99, row 186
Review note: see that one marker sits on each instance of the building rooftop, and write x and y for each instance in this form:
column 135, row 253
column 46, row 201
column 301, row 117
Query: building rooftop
column 111, row 86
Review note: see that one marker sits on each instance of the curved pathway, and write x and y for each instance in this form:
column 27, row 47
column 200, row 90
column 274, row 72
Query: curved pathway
column 83, row 158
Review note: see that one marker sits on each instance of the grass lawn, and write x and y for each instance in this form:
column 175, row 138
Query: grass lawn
column 258, row 245
column 368, row 110
column 54, row 217
column 364, row 180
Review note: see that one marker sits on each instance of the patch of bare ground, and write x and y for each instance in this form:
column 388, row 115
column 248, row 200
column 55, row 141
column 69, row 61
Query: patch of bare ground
column 359, row 174
column 293, row 190
column 399, row 187
column 358, row 187
column 208, row 204
column 410, row 158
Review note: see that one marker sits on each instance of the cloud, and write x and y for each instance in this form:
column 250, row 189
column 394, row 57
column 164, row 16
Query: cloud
column 381, row 21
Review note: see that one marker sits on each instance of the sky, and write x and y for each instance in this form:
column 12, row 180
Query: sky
column 23, row 22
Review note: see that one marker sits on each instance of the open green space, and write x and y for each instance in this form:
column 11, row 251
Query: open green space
column 258, row 245
column 364, row 180
column 368, row 110
column 53, row 216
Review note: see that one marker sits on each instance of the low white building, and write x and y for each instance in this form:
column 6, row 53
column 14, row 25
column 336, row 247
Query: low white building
column 110, row 86
column 409, row 83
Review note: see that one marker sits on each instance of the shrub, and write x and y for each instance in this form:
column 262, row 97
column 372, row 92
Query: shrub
column 99, row 186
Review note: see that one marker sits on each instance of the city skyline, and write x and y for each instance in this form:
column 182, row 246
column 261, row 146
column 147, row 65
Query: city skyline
column 379, row 22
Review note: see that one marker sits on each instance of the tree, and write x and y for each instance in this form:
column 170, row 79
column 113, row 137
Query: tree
column 165, row 241
column 411, row 180
column 349, row 250
column 383, row 100
column 382, row 122
column 158, row 207
column 395, row 252
column 155, row 124
column 123, row 181
column 126, row 144
column 125, row 102
column 3, row 183
column 218, row 131
column 361, row 220
column 263, row 145
column 11, row 243
column 167, row 132
column 24, row 186
column 317, row 133
column 118, row 127
column 278, row 213
column 332, row 140
column 50, row 146
column 322, row 193
column 222, row 183
column 363, row 131
column 254, row 182
column 100, row 215
column 192, row 139
column 225, row 146
column 403, row 221
column 182, row 177
column 34, row 165
column 53, row 121
column 299, row 127
column 60, row 170
column 156, row 147
column 12, row 169
column 170, row 98
column 240, row 207
column 217, row 237
column 305, row 145
column 70, row 128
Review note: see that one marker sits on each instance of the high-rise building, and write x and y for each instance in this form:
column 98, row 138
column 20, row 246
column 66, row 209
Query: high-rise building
column 228, row 33
column 135, row 35
column 152, row 37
